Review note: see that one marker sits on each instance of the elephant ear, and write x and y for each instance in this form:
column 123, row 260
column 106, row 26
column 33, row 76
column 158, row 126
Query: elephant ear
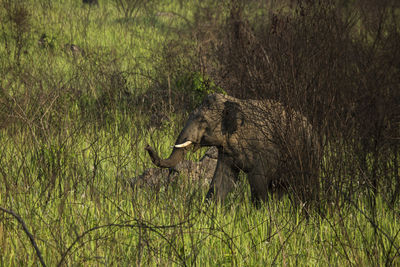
column 231, row 117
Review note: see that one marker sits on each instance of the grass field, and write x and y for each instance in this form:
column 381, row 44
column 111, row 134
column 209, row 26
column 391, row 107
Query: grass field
column 70, row 142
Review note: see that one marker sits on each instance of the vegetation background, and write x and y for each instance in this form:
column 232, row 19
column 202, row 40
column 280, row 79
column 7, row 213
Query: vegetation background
column 86, row 84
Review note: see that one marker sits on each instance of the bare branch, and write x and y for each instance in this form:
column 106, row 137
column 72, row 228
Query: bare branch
column 25, row 228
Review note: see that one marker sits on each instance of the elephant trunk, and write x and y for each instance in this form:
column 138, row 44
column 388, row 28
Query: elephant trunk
column 186, row 139
column 175, row 157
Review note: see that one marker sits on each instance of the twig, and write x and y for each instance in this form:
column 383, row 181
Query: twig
column 138, row 224
column 19, row 219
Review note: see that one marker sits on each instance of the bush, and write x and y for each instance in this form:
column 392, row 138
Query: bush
column 330, row 61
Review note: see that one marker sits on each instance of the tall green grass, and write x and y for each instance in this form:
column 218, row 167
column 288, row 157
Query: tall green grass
column 75, row 198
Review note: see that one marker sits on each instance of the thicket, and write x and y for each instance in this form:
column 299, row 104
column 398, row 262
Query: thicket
column 84, row 87
column 337, row 63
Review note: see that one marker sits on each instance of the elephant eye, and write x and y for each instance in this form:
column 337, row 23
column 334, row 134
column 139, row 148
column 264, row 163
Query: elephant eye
column 202, row 120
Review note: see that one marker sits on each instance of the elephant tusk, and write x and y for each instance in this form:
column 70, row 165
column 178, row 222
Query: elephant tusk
column 183, row 144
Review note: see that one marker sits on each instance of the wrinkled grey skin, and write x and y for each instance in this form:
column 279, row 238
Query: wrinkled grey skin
column 203, row 171
column 257, row 137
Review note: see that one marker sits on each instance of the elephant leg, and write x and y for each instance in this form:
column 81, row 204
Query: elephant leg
column 260, row 186
column 255, row 197
column 224, row 178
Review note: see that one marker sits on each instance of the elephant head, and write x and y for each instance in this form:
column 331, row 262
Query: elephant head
column 206, row 126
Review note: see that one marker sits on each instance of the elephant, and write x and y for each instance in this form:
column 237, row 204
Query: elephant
column 201, row 171
column 273, row 144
